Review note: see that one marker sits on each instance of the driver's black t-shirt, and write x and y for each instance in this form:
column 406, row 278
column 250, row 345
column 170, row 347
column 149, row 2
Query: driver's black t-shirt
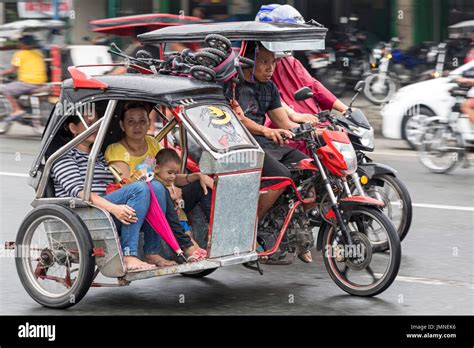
column 255, row 99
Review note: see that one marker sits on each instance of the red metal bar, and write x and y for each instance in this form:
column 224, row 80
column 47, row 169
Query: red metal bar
column 282, row 231
column 290, row 183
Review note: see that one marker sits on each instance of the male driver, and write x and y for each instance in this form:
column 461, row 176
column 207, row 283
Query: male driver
column 254, row 98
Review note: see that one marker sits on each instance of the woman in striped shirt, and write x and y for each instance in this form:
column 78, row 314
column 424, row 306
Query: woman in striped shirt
column 128, row 205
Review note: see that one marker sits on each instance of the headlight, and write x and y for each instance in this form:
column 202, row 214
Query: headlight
column 366, row 136
column 347, row 151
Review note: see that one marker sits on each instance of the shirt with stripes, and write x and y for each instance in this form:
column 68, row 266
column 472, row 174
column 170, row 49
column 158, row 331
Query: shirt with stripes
column 69, row 174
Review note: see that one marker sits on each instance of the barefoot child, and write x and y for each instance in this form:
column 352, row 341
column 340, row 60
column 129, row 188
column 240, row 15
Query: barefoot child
column 167, row 166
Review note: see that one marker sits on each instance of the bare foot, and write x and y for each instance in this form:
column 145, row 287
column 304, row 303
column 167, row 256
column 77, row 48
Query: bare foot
column 195, row 254
column 159, row 260
column 132, row 263
column 306, row 257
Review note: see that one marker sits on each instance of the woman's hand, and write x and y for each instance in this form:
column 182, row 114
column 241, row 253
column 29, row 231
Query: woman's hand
column 206, row 182
column 124, row 213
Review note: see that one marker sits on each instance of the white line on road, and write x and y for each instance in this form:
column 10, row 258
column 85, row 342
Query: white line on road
column 429, row 281
column 394, row 154
column 444, row 207
column 22, row 175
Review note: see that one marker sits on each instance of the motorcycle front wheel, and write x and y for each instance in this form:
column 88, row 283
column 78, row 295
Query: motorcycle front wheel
column 398, row 208
column 378, row 93
column 362, row 269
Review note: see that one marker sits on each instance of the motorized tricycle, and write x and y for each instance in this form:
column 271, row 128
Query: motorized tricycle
column 63, row 244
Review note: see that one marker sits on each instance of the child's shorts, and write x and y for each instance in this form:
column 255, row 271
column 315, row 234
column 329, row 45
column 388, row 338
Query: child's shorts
column 185, row 225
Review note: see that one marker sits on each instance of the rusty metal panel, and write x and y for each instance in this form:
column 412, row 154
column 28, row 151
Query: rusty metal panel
column 103, row 233
column 235, row 213
column 190, row 267
column 161, row 271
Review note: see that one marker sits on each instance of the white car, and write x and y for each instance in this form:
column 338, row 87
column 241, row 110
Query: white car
column 403, row 116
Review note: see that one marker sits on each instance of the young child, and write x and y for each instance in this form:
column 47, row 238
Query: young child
column 168, row 164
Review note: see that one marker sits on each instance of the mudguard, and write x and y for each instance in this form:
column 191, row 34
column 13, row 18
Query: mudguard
column 347, row 205
column 372, row 168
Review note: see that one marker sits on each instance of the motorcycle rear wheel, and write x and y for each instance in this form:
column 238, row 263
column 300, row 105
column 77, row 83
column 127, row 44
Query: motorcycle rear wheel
column 340, row 262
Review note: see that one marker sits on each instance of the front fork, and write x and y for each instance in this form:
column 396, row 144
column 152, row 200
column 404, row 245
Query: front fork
column 343, row 232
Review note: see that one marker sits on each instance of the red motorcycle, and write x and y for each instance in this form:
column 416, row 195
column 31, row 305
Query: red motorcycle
column 360, row 246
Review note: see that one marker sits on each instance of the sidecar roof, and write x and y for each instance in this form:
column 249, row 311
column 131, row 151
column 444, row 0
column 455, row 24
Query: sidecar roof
column 239, row 31
column 159, row 89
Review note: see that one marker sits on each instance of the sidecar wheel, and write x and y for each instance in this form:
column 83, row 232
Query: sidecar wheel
column 198, row 274
column 219, row 42
column 54, row 259
column 203, row 73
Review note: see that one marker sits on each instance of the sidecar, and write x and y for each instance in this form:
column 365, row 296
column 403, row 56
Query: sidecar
column 66, row 245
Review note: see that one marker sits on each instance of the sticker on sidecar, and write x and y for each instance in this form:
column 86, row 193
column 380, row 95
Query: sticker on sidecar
column 219, row 126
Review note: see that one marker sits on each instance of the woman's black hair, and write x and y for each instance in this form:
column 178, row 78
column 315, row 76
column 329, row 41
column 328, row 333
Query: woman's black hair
column 97, row 107
column 135, row 105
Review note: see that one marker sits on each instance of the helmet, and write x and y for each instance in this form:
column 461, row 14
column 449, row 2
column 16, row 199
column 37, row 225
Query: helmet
column 279, row 13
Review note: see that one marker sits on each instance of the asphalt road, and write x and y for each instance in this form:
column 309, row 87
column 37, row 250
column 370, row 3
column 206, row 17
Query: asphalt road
column 435, row 278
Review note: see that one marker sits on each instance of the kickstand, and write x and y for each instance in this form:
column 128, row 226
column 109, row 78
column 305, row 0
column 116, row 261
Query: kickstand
column 250, row 265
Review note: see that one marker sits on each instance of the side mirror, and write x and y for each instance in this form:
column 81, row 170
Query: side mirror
column 359, row 86
column 303, row 93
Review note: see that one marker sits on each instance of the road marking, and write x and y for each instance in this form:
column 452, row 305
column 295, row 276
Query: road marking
column 22, row 175
column 444, row 207
column 394, row 154
column 430, row 281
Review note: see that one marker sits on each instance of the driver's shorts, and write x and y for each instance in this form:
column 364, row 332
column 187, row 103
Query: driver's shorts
column 18, row 88
column 277, row 157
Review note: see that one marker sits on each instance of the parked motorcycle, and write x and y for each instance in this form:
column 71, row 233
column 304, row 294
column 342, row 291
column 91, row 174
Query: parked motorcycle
column 447, row 142
column 381, row 85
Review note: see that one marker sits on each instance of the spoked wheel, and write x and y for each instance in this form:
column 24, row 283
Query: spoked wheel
column 377, row 92
column 199, row 274
column 219, row 42
column 394, row 194
column 203, row 73
column 363, row 269
column 55, row 262
column 413, row 125
column 441, row 148
column 5, row 111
